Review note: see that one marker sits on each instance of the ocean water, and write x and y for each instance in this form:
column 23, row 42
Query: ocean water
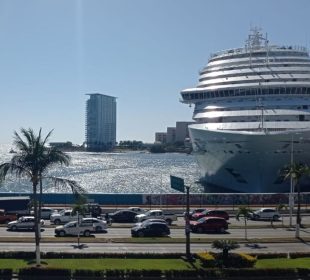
column 131, row 172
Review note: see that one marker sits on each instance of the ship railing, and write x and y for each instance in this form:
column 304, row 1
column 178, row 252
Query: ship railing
column 248, row 50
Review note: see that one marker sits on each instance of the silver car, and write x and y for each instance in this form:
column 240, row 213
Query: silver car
column 26, row 222
column 265, row 214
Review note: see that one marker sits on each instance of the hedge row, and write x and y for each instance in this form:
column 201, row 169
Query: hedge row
column 63, row 274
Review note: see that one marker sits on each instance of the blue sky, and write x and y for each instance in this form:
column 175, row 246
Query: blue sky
column 53, row 52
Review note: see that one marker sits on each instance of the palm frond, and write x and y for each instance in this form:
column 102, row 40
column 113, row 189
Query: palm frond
column 73, row 185
column 17, row 170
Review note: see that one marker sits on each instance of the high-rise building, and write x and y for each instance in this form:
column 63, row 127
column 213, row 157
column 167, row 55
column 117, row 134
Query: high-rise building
column 100, row 122
column 181, row 131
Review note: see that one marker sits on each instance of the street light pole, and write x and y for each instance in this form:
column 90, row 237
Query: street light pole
column 291, row 195
column 187, row 226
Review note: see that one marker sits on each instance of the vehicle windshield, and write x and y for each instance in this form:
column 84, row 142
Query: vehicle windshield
column 61, row 212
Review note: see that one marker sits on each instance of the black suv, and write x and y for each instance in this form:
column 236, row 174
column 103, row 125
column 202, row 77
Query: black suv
column 150, row 229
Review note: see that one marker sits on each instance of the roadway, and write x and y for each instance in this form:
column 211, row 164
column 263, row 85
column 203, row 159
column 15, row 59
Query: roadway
column 110, row 241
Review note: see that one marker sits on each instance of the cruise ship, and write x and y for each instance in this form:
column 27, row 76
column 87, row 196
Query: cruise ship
column 252, row 115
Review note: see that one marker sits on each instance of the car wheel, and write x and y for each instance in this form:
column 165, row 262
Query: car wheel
column 169, row 222
column 62, row 233
column 86, row 233
column 14, row 228
column 141, row 234
column 98, row 228
column 199, row 230
column 275, row 217
column 255, row 217
column 57, row 222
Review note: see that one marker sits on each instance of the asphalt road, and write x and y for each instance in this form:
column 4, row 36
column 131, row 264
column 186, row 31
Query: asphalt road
column 256, row 230
column 175, row 233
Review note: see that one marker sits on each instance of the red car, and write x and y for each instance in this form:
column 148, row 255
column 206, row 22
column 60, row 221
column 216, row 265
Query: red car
column 211, row 213
column 209, row 224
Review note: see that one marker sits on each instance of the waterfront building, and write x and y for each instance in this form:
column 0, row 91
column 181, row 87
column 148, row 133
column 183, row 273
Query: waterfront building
column 100, row 122
column 181, row 131
column 161, row 137
column 252, row 115
column 170, row 135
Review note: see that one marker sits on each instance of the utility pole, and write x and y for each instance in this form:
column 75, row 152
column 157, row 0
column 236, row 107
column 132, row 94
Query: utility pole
column 178, row 184
column 187, row 227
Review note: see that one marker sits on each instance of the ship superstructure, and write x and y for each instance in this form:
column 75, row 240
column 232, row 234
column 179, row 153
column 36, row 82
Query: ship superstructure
column 252, row 113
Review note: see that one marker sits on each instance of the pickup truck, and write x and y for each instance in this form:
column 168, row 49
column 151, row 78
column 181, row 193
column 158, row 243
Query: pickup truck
column 65, row 216
column 5, row 218
column 156, row 214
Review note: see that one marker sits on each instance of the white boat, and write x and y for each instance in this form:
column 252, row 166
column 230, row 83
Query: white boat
column 252, row 114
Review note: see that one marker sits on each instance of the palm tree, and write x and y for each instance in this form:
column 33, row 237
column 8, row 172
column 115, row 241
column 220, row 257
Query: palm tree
column 33, row 160
column 244, row 212
column 225, row 246
column 296, row 171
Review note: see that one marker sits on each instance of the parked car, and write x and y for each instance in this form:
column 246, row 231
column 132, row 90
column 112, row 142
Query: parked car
column 74, row 228
column 150, row 229
column 97, row 224
column 151, row 221
column 138, row 210
column 191, row 213
column 156, row 214
column 265, row 214
column 25, row 222
column 209, row 224
column 46, row 212
column 5, row 218
column 210, row 213
column 65, row 216
column 122, row 216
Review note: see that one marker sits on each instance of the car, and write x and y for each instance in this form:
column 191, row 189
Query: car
column 154, row 229
column 151, row 221
column 25, row 222
column 138, row 210
column 74, row 228
column 211, row 213
column 265, row 214
column 98, row 224
column 122, row 216
column 46, row 212
column 209, row 224
column 191, row 213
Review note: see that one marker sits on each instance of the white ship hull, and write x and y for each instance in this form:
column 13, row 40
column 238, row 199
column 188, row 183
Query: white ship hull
column 247, row 161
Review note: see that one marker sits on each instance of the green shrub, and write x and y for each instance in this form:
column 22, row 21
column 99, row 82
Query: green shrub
column 300, row 255
column 6, row 274
column 82, row 274
column 181, row 274
column 238, row 260
column 44, row 273
column 115, row 274
column 207, row 259
column 260, row 256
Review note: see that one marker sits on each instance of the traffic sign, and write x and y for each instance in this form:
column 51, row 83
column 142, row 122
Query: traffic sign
column 177, row 183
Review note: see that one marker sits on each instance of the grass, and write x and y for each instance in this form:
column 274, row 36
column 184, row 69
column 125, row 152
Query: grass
column 106, row 263
column 283, row 263
column 162, row 264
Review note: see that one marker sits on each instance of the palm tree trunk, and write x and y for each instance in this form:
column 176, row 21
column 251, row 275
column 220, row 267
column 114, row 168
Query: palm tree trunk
column 245, row 229
column 36, row 225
